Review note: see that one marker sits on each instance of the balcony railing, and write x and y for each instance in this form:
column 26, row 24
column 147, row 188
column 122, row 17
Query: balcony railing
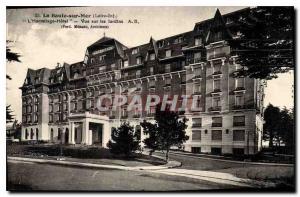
column 137, row 116
column 216, row 91
column 194, row 61
column 215, row 109
column 124, row 116
column 237, row 107
column 214, row 124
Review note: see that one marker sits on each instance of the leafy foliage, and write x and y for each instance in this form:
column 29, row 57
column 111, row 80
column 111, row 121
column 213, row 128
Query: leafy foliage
column 279, row 126
column 9, row 115
column 124, row 140
column 168, row 130
column 265, row 46
column 11, row 57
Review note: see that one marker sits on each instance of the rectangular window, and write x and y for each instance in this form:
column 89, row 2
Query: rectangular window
column 51, row 118
column 239, row 100
column 160, row 44
column 196, row 135
column 168, row 68
column 151, row 83
column 217, row 85
column 168, row 53
column 216, row 135
column 101, row 57
column 197, row 122
column 217, row 68
column 238, row 135
column 216, row 122
column 197, row 88
column 216, row 102
column 138, row 60
column 197, row 57
column 238, row 120
column 152, row 56
column 239, row 82
column 151, row 71
column 196, row 149
column 138, row 73
column 197, row 72
column 198, row 41
column 134, row 51
column 167, row 81
column 125, row 64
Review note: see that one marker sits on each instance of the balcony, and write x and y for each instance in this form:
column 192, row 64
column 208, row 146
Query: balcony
column 216, row 124
column 191, row 47
column 216, row 92
column 240, row 107
column 136, row 115
column 132, row 66
column 239, row 89
column 194, row 61
column 215, row 109
column 216, row 73
column 124, row 116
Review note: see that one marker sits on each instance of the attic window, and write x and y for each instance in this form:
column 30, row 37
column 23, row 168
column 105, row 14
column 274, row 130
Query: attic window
column 101, row 57
column 198, row 41
column 152, row 56
column 229, row 20
column 160, row 44
column 125, row 64
column 134, row 51
column 178, row 40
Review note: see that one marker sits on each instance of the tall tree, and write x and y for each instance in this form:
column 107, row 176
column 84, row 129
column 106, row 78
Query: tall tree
column 10, row 57
column 9, row 115
column 265, row 45
column 271, row 125
column 168, row 130
column 286, row 128
column 124, row 140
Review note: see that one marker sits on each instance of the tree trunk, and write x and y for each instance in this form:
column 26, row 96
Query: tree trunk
column 167, row 155
column 271, row 141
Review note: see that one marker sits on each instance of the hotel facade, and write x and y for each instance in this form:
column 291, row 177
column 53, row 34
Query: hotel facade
column 61, row 105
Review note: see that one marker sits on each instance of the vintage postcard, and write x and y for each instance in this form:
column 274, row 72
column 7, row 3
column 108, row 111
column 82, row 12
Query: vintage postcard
column 156, row 99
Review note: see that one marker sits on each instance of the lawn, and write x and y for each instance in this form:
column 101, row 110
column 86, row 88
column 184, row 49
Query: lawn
column 87, row 154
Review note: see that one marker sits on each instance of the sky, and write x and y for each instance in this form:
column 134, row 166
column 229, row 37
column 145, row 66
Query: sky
column 45, row 45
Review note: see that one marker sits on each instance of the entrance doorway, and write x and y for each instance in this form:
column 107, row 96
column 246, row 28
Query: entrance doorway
column 96, row 129
column 67, row 136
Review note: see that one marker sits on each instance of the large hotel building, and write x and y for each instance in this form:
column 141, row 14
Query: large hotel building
column 60, row 105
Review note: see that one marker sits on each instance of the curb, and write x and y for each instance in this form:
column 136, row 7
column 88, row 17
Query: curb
column 170, row 164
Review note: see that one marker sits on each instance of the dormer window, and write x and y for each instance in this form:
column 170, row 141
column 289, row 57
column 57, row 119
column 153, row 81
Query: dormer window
column 178, row 40
column 160, row 44
column 168, row 53
column 101, row 57
column 134, row 51
column 152, row 56
column 198, row 41
column 138, row 60
column 125, row 64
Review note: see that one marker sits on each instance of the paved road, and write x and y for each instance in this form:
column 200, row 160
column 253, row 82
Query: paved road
column 50, row 177
column 201, row 163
